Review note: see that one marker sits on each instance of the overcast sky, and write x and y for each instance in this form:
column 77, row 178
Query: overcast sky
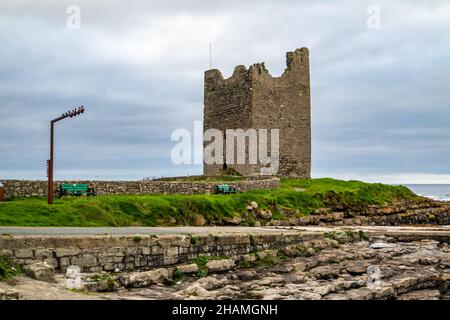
column 380, row 97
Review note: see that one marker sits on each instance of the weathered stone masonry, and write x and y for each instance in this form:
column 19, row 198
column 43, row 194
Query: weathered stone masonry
column 252, row 98
column 109, row 253
column 21, row 188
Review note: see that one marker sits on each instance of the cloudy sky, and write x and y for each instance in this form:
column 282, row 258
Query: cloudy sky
column 380, row 87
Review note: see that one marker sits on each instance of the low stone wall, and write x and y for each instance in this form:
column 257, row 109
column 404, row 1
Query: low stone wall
column 109, row 253
column 24, row 188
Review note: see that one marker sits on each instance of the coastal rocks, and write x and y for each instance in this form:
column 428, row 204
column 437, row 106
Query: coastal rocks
column 335, row 274
column 188, row 268
column 405, row 212
column 259, row 213
column 146, row 278
column 253, row 206
column 220, row 265
column 41, row 271
column 265, row 253
column 421, row 295
column 325, row 272
column 9, row 294
column 344, row 270
column 202, row 288
column 381, row 245
column 236, row 220
column 248, row 275
column 264, row 214
column 200, row 220
column 299, row 266
column 211, row 283
column 99, row 283
column 322, row 211
column 356, row 268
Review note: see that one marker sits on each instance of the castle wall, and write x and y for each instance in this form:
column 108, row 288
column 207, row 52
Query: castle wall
column 285, row 103
column 254, row 99
column 227, row 105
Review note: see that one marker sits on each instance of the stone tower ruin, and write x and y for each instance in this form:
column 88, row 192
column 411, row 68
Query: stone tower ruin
column 252, row 98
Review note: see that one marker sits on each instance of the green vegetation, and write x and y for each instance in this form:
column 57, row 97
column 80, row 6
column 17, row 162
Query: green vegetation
column 244, row 264
column 194, row 239
column 106, row 282
column 267, row 261
column 363, row 235
column 271, row 260
column 201, row 262
column 176, row 275
column 252, row 240
column 295, row 195
column 8, row 269
column 350, row 233
column 303, row 251
column 137, row 239
column 331, row 235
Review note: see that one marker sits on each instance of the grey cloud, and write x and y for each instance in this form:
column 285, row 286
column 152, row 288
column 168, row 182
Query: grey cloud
column 379, row 98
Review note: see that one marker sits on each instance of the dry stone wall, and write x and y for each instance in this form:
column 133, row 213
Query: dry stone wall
column 24, row 188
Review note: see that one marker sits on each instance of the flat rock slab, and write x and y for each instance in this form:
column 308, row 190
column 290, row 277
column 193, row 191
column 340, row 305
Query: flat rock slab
column 381, row 245
column 220, row 265
column 41, row 271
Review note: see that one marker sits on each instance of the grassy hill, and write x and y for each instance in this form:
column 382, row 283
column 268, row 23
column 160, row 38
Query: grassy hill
column 299, row 197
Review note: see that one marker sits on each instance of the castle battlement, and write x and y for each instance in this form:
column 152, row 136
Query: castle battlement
column 294, row 60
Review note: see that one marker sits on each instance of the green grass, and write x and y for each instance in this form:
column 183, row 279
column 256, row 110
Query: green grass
column 8, row 269
column 157, row 210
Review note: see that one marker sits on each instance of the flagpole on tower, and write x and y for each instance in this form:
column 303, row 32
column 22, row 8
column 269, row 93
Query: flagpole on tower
column 210, row 55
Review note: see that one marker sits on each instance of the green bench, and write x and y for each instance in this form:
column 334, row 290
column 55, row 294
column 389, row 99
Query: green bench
column 75, row 189
column 225, row 188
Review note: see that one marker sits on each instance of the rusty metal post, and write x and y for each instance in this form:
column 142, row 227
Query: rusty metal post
column 50, row 165
column 71, row 114
column 2, row 192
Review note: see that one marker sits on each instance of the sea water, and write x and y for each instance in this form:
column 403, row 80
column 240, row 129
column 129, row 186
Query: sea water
column 439, row 192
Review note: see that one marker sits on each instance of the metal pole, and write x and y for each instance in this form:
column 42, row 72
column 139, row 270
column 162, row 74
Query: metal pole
column 71, row 114
column 50, row 166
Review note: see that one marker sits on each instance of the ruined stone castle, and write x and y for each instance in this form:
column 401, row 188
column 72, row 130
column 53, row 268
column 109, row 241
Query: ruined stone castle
column 252, row 98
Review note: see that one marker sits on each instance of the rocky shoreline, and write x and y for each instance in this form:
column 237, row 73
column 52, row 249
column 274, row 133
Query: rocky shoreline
column 329, row 269
column 343, row 263
column 417, row 211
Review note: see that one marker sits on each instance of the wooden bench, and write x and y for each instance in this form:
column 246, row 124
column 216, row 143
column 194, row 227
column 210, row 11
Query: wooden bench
column 76, row 189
